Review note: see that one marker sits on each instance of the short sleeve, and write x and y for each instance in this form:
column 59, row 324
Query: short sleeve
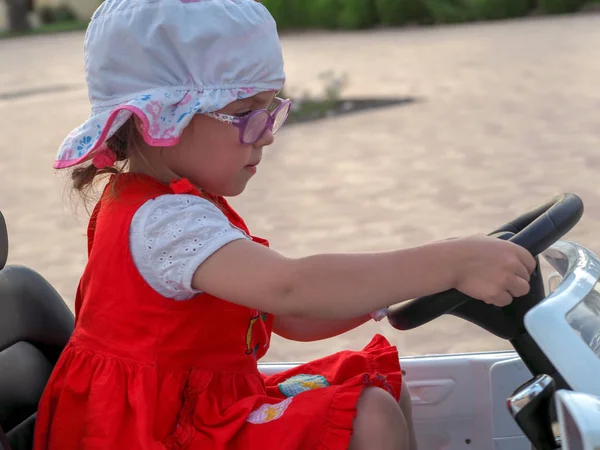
column 172, row 235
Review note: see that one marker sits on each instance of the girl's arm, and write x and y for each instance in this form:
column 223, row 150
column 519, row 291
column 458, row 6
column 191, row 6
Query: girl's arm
column 308, row 330
column 346, row 286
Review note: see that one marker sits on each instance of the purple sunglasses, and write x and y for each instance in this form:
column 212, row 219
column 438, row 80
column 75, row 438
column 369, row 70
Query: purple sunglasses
column 253, row 126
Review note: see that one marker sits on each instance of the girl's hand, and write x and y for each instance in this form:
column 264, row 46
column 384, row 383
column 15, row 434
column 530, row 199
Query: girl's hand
column 492, row 270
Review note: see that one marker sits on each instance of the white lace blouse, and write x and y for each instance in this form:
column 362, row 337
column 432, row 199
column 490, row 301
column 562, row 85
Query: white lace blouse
column 172, row 235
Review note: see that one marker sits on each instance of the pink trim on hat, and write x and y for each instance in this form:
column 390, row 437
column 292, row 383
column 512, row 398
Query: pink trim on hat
column 155, row 142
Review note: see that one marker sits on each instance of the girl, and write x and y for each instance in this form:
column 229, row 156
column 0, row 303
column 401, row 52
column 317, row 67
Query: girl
column 178, row 300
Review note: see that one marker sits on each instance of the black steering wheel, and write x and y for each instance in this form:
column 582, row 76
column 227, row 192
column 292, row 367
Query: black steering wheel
column 535, row 231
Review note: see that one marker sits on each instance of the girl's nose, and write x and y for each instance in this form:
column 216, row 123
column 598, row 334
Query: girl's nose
column 266, row 139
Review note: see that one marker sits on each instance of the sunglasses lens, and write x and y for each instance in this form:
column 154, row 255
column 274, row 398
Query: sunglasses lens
column 281, row 117
column 255, row 127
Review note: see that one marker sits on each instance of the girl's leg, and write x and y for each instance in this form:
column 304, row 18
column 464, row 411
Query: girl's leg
column 406, row 407
column 379, row 423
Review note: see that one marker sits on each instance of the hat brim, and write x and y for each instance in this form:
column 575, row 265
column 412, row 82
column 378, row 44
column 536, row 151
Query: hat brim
column 164, row 114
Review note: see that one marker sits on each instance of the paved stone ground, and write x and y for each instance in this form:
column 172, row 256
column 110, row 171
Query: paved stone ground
column 508, row 115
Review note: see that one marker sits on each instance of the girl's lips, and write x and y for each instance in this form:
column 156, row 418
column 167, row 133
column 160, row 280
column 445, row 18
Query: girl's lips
column 251, row 169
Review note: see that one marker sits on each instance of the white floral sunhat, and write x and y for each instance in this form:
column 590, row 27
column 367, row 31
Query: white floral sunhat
column 166, row 60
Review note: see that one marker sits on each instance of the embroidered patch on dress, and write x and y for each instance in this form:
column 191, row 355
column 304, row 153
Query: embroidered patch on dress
column 268, row 413
column 301, row 383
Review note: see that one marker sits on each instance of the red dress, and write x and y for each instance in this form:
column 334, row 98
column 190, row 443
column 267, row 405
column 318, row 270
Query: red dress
column 142, row 371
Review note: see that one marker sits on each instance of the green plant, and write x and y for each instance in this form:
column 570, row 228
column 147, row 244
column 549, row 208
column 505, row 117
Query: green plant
column 276, row 8
column 306, row 107
column 53, row 14
column 498, row 9
column 399, row 12
column 56, row 27
column 334, row 86
column 449, row 11
column 289, row 14
column 354, row 14
column 324, row 13
column 560, row 6
column 301, row 11
column 64, row 13
column 46, row 14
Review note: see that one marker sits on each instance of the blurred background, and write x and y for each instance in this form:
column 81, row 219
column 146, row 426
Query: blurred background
column 414, row 120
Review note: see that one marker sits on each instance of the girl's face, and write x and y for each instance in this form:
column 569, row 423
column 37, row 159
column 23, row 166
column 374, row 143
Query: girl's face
column 210, row 154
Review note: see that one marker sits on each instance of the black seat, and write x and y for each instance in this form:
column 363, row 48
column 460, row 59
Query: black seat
column 35, row 325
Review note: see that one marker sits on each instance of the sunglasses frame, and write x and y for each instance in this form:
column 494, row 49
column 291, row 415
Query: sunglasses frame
column 242, row 122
